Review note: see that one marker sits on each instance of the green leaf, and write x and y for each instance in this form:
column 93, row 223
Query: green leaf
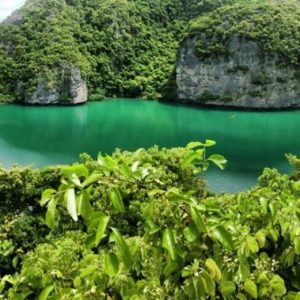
column 187, row 271
column 111, row 264
column 209, row 143
column 135, row 166
column 170, row 268
column 193, row 145
column 153, row 228
column 190, row 233
column 84, row 207
column 79, row 170
column 2, row 285
column 155, row 192
column 175, row 195
column 189, row 289
column 169, row 242
column 227, row 288
column 199, row 288
column 197, row 219
column 107, row 162
column 46, row 292
column 126, row 170
column 15, row 261
column 75, row 179
column 116, row 200
column 293, row 296
column 46, row 196
column 252, row 244
column 71, row 203
column 218, row 160
column 24, row 294
column 297, row 245
column 224, row 237
column 274, row 235
column 91, row 179
column 244, row 269
column 90, row 241
column 88, row 270
column 144, row 172
column 103, row 221
column 277, row 285
column 261, row 237
column 272, row 209
column 213, row 269
column 209, row 284
column 296, row 185
column 241, row 296
column 251, row 288
column 9, row 278
column 262, row 278
column 264, row 204
column 93, row 221
column 126, row 255
column 192, row 158
column 101, row 160
column 51, row 214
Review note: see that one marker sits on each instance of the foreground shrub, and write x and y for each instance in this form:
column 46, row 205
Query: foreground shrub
column 142, row 226
column 22, row 187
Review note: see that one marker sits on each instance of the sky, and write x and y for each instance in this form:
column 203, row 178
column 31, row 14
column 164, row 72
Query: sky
column 8, row 6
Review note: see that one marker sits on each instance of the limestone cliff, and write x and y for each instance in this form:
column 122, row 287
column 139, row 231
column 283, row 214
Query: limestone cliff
column 71, row 88
column 243, row 55
column 242, row 78
column 42, row 63
column 236, row 52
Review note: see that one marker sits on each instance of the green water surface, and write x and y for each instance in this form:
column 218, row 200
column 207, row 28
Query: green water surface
column 250, row 141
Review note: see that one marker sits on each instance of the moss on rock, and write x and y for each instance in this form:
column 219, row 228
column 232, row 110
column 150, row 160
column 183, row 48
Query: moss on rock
column 273, row 24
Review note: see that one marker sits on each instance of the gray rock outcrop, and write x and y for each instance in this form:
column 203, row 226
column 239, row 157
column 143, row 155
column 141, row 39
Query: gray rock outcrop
column 14, row 19
column 70, row 89
column 244, row 78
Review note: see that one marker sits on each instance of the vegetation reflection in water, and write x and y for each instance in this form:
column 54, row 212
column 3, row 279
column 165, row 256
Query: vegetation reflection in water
column 54, row 135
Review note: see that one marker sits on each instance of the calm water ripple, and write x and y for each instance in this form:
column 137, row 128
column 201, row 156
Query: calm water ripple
column 250, row 141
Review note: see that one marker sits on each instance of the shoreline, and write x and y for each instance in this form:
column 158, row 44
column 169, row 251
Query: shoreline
column 185, row 103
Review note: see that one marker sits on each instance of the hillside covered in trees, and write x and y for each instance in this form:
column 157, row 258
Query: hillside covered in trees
column 130, row 48
column 123, row 48
column 244, row 55
column 145, row 224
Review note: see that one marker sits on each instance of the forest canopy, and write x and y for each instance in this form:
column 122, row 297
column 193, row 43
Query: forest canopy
column 128, row 48
column 122, row 47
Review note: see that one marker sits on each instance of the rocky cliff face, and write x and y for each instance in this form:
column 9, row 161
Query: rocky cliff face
column 14, row 19
column 243, row 78
column 70, row 89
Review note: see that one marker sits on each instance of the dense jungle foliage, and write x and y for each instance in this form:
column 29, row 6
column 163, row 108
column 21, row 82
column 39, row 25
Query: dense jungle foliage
column 122, row 47
column 129, row 47
column 142, row 225
column 274, row 24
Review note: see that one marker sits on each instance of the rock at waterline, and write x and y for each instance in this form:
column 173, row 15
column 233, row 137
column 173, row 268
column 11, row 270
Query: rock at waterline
column 69, row 88
column 243, row 78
